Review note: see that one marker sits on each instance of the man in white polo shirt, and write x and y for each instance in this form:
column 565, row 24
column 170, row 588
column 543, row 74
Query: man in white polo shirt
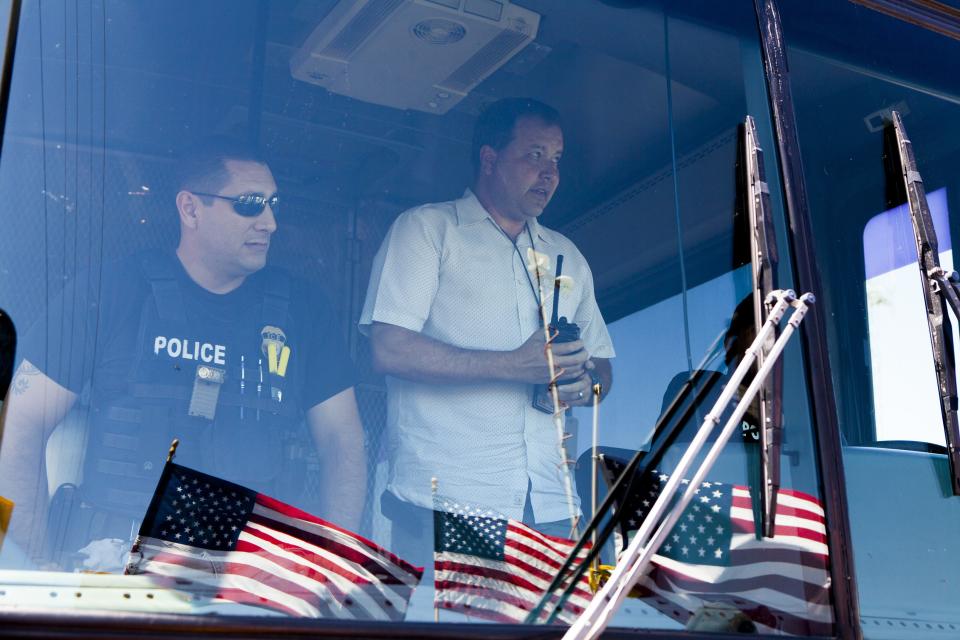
column 452, row 312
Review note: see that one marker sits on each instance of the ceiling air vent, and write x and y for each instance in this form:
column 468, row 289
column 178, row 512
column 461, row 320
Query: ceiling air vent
column 485, row 61
column 412, row 54
column 437, row 31
column 370, row 16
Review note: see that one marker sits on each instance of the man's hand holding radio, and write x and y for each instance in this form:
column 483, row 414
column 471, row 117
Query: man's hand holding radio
column 571, row 360
column 530, row 359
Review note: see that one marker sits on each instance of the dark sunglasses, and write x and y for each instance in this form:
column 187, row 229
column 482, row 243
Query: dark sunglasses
column 247, row 205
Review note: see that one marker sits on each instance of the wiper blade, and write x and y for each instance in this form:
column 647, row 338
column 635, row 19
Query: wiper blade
column 938, row 286
column 666, row 430
column 763, row 258
column 665, row 512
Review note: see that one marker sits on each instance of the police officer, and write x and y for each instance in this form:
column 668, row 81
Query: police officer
column 207, row 345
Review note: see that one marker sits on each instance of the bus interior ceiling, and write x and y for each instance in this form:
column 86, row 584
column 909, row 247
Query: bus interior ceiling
column 346, row 168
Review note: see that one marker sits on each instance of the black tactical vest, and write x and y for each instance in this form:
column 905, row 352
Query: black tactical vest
column 247, row 439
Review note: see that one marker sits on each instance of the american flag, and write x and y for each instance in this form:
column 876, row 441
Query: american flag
column 494, row 568
column 229, row 544
column 713, row 558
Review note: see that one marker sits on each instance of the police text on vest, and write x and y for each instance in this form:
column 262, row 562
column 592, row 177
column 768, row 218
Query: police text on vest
column 190, row 349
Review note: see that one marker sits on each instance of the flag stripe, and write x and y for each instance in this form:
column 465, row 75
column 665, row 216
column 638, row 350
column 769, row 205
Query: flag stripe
column 334, row 547
column 317, row 555
column 582, row 590
column 749, row 542
column 399, row 570
column 457, row 563
column 745, row 514
column 678, row 605
column 791, row 505
column 804, row 515
column 461, row 568
column 804, row 559
column 210, row 584
column 802, row 500
column 490, row 589
column 541, row 555
column 541, row 579
column 782, row 530
column 754, row 599
column 499, row 575
column 246, row 567
column 286, row 509
column 553, row 544
column 287, row 562
column 257, row 569
column 787, row 585
column 796, row 621
column 258, row 541
column 325, row 569
column 712, row 575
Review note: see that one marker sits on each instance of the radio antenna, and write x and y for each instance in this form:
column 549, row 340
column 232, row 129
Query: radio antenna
column 556, row 292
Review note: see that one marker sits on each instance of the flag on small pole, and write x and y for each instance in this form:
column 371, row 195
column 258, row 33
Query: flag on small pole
column 434, row 485
column 597, row 392
column 233, row 545
column 494, row 568
column 713, row 558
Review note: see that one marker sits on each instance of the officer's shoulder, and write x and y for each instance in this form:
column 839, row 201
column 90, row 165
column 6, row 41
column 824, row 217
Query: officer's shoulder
column 279, row 279
column 133, row 269
column 149, row 263
column 273, row 277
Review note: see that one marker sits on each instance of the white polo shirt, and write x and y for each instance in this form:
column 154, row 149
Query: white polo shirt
column 446, row 270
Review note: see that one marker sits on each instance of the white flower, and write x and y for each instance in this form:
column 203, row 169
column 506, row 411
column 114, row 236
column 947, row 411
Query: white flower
column 538, row 261
column 565, row 282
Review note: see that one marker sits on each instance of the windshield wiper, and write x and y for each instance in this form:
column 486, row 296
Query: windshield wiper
column 665, row 512
column 665, row 432
column 938, row 286
column 763, row 258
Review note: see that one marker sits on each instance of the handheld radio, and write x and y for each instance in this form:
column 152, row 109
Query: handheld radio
column 566, row 332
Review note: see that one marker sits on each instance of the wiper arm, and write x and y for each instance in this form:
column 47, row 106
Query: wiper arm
column 665, row 432
column 763, row 258
column 664, row 513
column 938, row 286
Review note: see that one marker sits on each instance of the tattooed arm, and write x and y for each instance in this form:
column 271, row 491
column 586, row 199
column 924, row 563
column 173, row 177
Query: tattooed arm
column 35, row 405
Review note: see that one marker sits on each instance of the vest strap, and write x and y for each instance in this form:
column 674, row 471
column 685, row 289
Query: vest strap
column 276, row 298
column 166, row 291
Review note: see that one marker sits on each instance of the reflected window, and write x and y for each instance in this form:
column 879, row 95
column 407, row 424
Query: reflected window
column 899, row 337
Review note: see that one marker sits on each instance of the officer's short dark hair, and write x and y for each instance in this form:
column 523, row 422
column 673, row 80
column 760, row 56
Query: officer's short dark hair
column 202, row 167
column 495, row 125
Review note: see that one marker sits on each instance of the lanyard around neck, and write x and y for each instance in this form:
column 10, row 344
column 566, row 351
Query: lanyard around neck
column 534, row 289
